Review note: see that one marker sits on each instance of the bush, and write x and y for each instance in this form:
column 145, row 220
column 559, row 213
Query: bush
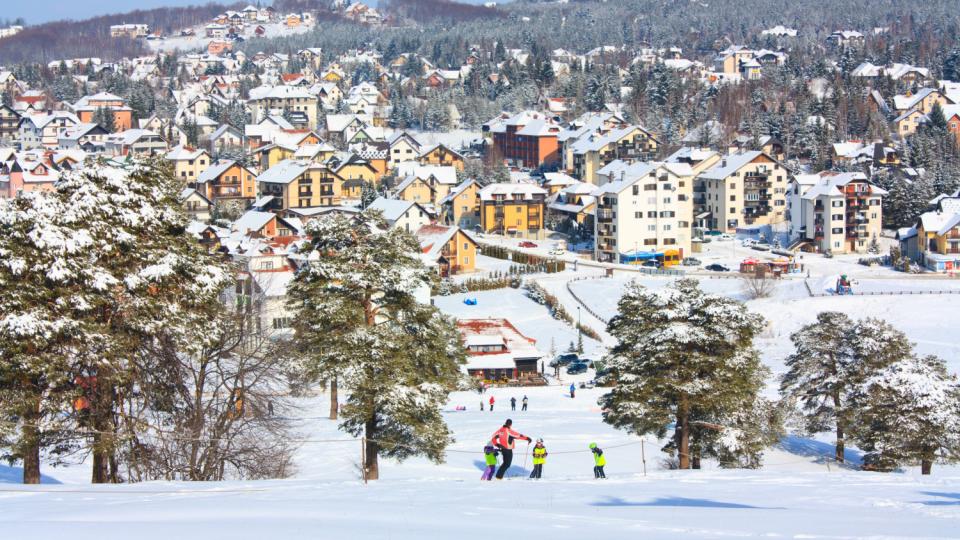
column 524, row 263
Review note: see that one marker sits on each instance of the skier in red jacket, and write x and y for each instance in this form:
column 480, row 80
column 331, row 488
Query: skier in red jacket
column 504, row 439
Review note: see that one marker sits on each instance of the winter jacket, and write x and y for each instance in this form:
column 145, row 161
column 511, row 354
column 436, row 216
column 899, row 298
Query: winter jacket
column 539, row 455
column 491, row 458
column 505, row 436
column 598, row 458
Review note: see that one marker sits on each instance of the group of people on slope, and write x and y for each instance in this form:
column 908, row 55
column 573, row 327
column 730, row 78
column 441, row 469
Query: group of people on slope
column 503, row 443
column 513, row 403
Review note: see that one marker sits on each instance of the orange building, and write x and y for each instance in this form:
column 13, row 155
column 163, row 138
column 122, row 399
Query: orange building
column 526, row 139
column 86, row 108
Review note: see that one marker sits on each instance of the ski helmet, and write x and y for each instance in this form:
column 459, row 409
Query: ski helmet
column 593, row 445
column 539, row 441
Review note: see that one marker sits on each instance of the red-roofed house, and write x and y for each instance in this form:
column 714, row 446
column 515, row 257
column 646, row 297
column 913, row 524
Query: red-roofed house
column 450, row 249
column 497, row 351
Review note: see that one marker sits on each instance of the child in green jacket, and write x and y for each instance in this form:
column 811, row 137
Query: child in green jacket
column 599, row 461
column 490, row 457
column 539, row 458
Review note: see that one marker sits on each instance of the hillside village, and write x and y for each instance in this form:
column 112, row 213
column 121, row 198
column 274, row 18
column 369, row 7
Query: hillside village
column 498, row 216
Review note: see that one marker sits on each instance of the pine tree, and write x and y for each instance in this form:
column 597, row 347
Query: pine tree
column 103, row 117
column 833, row 356
column 357, row 319
column 124, row 274
column 682, row 357
column 908, row 412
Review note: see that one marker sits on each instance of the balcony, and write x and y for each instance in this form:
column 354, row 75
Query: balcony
column 604, row 215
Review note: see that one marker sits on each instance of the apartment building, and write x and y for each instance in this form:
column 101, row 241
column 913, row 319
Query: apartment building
column 297, row 102
column 511, row 208
column 526, row 139
column 300, row 184
column 592, row 151
column 645, row 208
column 835, row 212
column 742, row 189
column 934, row 241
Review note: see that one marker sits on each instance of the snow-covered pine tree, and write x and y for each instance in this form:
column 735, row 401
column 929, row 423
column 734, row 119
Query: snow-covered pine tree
column 833, row 356
column 111, row 270
column 908, row 412
column 357, row 317
column 682, row 356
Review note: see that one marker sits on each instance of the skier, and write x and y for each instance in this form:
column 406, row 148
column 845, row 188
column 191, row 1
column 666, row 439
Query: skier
column 599, row 460
column 481, row 404
column 539, row 457
column 490, row 456
column 503, row 439
column 513, row 403
column 491, row 403
column 573, row 390
column 524, row 407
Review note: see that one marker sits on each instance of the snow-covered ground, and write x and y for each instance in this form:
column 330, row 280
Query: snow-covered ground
column 798, row 493
column 793, row 497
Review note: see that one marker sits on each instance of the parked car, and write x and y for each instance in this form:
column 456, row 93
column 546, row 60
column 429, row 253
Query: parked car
column 651, row 264
column 760, row 246
column 717, row 268
column 691, row 261
column 527, row 244
column 828, row 254
column 713, row 233
column 576, row 368
column 725, row 236
column 558, row 251
column 564, row 359
column 748, row 242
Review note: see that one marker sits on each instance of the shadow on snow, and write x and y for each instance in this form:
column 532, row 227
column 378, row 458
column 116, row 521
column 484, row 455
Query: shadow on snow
column 681, row 502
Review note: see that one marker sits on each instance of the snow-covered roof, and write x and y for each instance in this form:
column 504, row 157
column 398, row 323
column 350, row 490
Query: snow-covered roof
column 392, row 209
column 730, row 164
column 252, row 221
column 510, row 189
column 284, row 172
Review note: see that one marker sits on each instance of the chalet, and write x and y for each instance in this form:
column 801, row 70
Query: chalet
column 86, row 108
column 85, row 136
column 43, row 130
column 497, row 351
column 227, row 180
column 139, row 142
column 461, row 207
column 400, row 214
column 263, row 224
column 188, row 162
column 196, row 206
column 449, row 249
column 934, row 241
column 514, row 208
column 9, row 123
column 440, row 154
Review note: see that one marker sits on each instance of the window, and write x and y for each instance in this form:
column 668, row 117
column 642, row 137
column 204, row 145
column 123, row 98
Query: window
column 873, row 215
column 466, row 246
column 667, row 200
column 669, row 241
column 650, row 187
column 651, row 214
column 837, row 217
column 733, row 198
column 668, row 214
column 638, row 215
column 652, row 228
column 666, row 227
column 650, row 242
column 281, row 322
column 733, row 210
column 651, row 200
column 779, row 203
column 466, row 260
column 683, row 224
column 836, row 230
column 636, row 190
column 837, row 204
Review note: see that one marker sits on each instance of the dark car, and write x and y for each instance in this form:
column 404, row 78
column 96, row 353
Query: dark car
column 691, row 261
column 564, row 359
column 576, row 368
column 717, row 268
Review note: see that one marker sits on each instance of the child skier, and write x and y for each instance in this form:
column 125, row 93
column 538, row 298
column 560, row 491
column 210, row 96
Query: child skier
column 539, row 457
column 490, row 456
column 491, row 403
column 599, row 460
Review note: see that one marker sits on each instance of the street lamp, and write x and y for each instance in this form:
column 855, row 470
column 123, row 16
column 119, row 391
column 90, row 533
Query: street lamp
column 579, row 337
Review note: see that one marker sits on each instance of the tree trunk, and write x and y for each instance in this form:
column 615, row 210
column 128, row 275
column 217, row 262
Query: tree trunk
column 926, row 463
column 30, row 443
column 334, row 403
column 370, row 464
column 840, row 443
column 103, row 437
column 683, row 433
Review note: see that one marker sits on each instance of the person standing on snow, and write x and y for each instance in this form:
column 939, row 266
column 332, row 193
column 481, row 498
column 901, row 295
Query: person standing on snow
column 573, row 390
column 513, row 403
column 491, row 403
column 539, row 457
column 599, row 461
column 490, row 457
column 524, row 407
column 504, row 439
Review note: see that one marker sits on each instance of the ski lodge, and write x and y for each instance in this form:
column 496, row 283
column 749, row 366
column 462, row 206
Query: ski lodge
column 498, row 352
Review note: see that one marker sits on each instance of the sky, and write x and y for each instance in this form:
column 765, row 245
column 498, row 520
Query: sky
column 39, row 11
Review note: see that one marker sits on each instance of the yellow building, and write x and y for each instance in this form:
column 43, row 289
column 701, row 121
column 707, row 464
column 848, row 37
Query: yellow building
column 514, row 209
column 461, row 207
column 188, row 162
column 451, row 249
column 440, row 154
column 272, row 154
column 300, row 184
